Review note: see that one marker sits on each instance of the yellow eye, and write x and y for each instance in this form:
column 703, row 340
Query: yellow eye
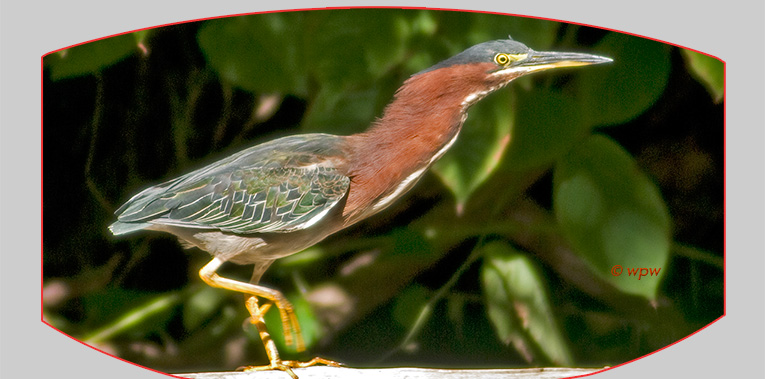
column 502, row 59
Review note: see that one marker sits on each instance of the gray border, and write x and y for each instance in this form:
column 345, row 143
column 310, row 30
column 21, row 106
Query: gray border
column 732, row 31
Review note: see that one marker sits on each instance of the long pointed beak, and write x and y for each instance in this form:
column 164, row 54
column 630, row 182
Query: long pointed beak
column 544, row 60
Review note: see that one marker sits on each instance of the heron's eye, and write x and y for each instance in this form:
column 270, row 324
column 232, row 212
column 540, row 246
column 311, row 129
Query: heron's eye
column 502, row 59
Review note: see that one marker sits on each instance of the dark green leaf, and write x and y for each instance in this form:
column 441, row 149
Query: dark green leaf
column 548, row 124
column 480, row 147
column 341, row 111
column 409, row 243
column 257, row 53
column 710, row 71
column 612, row 213
column 409, row 303
column 617, row 92
column 91, row 57
column 346, row 47
column 519, row 307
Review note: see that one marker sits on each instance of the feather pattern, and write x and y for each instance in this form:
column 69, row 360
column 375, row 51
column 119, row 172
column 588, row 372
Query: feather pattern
column 279, row 186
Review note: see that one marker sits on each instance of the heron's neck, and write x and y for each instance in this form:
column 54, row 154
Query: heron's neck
column 416, row 129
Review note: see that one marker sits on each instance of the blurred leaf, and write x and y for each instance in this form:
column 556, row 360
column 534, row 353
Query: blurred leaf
column 424, row 23
column 157, row 308
column 455, row 309
column 519, row 307
column 91, row 57
column 341, row 111
column 201, row 305
column 612, row 213
column 409, row 242
column 535, row 33
column 617, row 92
column 548, row 124
column 408, row 304
column 309, row 325
column 307, row 257
column 480, row 147
column 257, row 53
column 710, row 71
column 346, row 47
column 111, row 303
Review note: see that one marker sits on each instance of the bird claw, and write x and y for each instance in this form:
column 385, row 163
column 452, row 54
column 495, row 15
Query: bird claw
column 287, row 366
column 313, row 362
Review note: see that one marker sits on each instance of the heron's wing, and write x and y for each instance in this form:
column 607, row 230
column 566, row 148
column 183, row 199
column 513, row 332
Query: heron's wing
column 280, row 186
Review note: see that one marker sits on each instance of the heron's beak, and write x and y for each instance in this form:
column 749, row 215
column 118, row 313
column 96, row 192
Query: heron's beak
column 544, row 60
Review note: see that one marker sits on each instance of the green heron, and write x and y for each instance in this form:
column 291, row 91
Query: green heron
column 283, row 196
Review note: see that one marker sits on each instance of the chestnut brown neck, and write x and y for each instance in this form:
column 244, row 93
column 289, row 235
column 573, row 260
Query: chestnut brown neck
column 424, row 118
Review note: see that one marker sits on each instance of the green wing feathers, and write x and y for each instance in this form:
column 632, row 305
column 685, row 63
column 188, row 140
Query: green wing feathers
column 280, row 186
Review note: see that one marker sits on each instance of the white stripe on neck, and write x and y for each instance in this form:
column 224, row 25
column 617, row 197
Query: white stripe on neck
column 411, row 180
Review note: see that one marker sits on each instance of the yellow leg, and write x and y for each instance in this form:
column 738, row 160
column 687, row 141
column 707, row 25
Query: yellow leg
column 292, row 333
column 273, row 355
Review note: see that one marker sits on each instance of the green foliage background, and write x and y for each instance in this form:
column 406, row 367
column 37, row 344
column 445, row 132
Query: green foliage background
column 501, row 257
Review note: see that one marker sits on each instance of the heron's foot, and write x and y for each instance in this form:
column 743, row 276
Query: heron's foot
column 287, row 366
column 293, row 336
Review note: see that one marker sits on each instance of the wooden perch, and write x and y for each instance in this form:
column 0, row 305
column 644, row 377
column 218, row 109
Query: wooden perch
column 324, row 372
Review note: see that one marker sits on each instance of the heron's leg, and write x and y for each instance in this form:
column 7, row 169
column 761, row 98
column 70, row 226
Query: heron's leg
column 292, row 333
column 289, row 320
column 256, row 317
